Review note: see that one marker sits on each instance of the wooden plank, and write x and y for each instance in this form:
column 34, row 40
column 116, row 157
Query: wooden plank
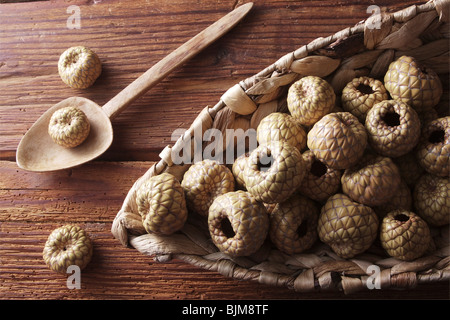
column 131, row 36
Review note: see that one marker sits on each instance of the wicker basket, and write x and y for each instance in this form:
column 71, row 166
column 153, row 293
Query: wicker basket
column 367, row 48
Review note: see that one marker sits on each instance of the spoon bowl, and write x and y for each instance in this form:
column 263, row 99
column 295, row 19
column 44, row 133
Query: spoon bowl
column 38, row 152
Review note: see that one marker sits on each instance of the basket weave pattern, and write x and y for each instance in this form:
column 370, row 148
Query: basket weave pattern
column 421, row 31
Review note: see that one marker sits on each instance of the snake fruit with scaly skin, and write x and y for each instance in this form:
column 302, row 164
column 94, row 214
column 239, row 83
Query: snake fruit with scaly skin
column 79, row 67
column 293, row 224
column 433, row 149
column 431, row 197
column 373, row 181
column 412, row 83
column 69, row 127
column 309, row 99
column 274, row 171
column 162, row 205
column 338, row 140
column 320, row 181
column 203, row 182
column 238, row 223
column 279, row 126
column 404, row 235
column 67, row 245
column 348, row 227
column 393, row 128
column 361, row 94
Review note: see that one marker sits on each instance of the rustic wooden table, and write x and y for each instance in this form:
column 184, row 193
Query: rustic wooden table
column 130, row 36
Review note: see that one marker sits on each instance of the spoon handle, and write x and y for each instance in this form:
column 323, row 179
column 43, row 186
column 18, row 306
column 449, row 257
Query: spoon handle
column 175, row 59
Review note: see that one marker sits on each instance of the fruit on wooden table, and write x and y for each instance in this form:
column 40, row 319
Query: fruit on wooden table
column 79, row 67
column 393, row 128
column 338, row 140
column 404, row 235
column 66, row 246
column 361, row 94
column 161, row 204
column 309, row 99
column 293, row 224
column 413, row 83
column 69, row 127
column 204, row 181
column 238, row 223
column 348, row 227
column 274, row 171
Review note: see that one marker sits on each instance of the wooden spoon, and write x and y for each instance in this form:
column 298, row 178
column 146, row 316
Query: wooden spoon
column 38, row 152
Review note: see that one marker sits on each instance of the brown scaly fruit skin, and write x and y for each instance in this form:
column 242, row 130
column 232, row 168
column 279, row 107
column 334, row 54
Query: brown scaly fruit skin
column 393, row 128
column 293, row 224
column 79, row 67
column 280, row 126
column 433, row 149
column 412, row 83
column 338, row 140
column 361, row 94
column 373, row 181
column 426, row 116
column 404, row 235
column 402, row 199
column 203, row 182
column 431, row 198
column 278, row 182
column 67, row 245
column 162, row 205
column 348, row 227
column 409, row 167
column 309, row 99
column 249, row 221
column 320, row 182
column 69, row 127
column 237, row 169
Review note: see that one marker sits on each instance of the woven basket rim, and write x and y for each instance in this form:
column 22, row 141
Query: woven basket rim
column 306, row 272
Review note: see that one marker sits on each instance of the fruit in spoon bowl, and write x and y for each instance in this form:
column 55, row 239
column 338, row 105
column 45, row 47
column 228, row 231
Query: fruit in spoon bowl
column 69, row 127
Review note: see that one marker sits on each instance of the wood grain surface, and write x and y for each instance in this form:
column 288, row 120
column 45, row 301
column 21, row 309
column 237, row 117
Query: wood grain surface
column 129, row 37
